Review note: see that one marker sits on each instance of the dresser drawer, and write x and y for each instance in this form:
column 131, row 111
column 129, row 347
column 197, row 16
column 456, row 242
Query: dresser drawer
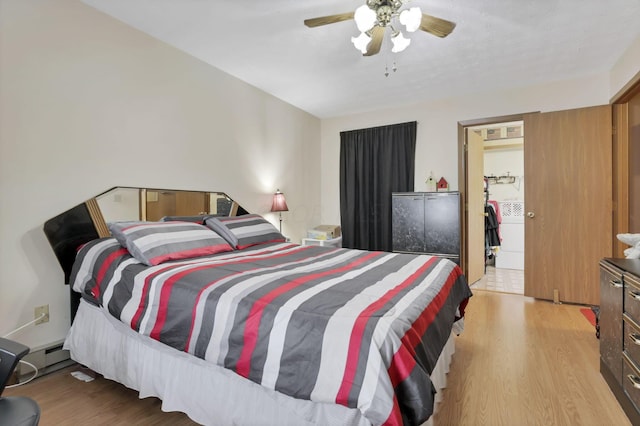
column 631, row 381
column 632, row 298
column 632, row 279
column 631, row 333
column 611, row 340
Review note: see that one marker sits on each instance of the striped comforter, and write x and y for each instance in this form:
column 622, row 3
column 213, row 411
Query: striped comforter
column 358, row 328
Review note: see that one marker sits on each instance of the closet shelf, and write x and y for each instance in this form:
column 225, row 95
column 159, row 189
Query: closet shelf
column 499, row 180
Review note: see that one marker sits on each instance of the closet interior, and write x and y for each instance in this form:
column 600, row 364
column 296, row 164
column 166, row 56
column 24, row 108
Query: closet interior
column 503, row 165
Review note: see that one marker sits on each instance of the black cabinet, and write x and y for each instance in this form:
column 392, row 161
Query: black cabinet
column 427, row 223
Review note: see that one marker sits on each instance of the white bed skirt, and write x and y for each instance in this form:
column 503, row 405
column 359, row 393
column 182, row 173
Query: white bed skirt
column 208, row 394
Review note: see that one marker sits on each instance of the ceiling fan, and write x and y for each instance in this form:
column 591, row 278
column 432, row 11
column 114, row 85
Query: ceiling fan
column 375, row 16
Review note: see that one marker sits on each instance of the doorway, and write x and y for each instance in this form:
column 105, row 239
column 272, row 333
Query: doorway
column 496, row 151
column 568, row 218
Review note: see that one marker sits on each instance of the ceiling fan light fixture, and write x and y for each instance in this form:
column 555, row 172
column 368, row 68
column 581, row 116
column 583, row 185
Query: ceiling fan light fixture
column 361, row 42
column 399, row 42
column 411, row 18
column 365, row 18
column 375, row 16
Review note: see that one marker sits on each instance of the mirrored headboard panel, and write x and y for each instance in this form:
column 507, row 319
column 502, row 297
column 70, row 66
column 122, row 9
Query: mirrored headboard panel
column 127, row 203
column 87, row 221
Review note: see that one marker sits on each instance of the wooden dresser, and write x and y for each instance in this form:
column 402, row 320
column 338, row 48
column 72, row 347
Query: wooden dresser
column 619, row 322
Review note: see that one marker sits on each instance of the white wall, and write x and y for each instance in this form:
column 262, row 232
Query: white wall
column 626, row 68
column 88, row 103
column 503, row 162
column 437, row 135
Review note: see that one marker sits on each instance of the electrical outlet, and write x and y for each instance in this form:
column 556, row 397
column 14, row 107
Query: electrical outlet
column 39, row 310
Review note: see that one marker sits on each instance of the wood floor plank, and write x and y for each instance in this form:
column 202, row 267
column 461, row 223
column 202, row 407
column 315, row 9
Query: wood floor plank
column 519, row 362
column 65, row 400
column 522, row 361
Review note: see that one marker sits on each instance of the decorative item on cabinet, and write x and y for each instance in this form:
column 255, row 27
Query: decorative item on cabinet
column 431, row 183
column 443, row 185
column 632, row 240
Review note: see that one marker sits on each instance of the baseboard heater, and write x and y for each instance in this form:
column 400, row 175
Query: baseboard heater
column 47, row 359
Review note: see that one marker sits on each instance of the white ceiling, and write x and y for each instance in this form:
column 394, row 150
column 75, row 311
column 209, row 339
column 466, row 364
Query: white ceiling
column 497, row 44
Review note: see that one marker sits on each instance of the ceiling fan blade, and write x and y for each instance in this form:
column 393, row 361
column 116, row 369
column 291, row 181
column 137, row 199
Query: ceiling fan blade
column 377, row 33
column 436, row 26
column 325, row 20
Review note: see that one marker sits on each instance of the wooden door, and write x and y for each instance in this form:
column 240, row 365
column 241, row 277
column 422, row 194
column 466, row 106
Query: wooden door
column 568, row 187
column 160, row 204
column 475, row 206
column 175, row 203
column 190, row 203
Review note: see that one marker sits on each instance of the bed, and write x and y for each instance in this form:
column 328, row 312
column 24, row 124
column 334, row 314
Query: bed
column 237, row 326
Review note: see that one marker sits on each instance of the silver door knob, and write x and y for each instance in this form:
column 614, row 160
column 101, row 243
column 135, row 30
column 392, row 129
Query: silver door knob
column 531, row 215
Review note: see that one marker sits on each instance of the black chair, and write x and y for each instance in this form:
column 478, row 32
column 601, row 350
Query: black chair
column 14, row 410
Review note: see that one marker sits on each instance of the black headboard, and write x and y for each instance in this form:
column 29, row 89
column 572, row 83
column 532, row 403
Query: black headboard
column 68, row 231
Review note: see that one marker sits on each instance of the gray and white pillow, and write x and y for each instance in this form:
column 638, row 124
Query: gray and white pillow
column 153, row 243
column 245, row 231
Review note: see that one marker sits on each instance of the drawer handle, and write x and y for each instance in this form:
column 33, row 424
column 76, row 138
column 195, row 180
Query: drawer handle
column 634, row 294
column 615, row 283
column 635, row 338
column 634, row 380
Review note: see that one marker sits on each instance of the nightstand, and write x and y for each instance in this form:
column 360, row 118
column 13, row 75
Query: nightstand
column 335, row 242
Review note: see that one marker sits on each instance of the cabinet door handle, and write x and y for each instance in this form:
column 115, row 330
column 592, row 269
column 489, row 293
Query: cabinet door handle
column 635, row 338
column 634, row 380
column 615, row 283
column 634, row 294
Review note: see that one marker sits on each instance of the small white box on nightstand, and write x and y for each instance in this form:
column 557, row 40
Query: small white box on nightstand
column 324, row 232
column 334, row 242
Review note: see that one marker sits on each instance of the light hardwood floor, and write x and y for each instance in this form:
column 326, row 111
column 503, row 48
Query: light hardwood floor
column 522, row 361
column 518, row 362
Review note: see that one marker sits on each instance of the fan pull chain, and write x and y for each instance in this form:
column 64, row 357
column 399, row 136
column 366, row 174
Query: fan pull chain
column 394, row 68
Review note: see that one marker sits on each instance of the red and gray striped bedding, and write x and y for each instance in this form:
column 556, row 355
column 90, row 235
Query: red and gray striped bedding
column 357, row 328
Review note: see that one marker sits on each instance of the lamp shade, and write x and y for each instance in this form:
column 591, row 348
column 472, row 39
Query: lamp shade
column 411, row 18
column 365, row 18
column 279, row 203
column 399, row 42
column 361, row 42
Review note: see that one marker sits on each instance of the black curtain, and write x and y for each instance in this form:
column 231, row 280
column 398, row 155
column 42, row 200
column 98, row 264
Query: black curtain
column 374, row 163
